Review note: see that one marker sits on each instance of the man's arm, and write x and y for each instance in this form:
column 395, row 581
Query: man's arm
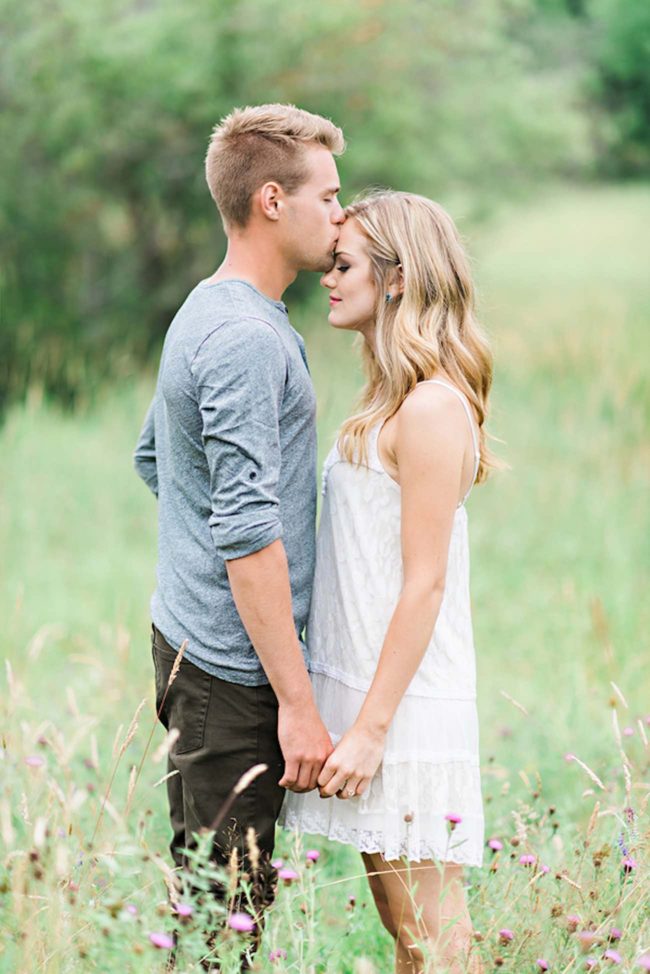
column 240, row 373
column 144, row 458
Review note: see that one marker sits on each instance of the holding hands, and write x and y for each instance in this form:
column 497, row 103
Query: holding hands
column 350, row 767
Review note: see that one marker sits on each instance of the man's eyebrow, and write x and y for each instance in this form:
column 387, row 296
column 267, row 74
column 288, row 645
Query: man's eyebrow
column 334, row 191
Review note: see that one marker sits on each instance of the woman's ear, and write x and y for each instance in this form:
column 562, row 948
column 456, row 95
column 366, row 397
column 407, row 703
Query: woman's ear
column 396, row 282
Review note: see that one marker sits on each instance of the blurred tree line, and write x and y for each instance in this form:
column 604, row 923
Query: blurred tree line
column 107, row 106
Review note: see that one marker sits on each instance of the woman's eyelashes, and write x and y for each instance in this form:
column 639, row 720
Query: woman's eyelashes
column 343, row 268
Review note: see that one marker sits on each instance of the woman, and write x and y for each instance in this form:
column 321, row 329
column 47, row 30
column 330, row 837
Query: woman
column 390, row 632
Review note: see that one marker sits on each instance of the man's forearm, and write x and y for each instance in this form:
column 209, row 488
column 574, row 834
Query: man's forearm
column 262, row 593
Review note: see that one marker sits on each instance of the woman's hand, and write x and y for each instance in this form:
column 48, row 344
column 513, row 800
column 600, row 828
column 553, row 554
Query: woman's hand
column 352, row 764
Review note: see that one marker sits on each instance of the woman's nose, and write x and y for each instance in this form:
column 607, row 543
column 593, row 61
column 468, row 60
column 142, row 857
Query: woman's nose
column 327, row 280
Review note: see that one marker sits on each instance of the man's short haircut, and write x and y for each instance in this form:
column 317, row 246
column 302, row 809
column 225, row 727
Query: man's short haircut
column 259, row 144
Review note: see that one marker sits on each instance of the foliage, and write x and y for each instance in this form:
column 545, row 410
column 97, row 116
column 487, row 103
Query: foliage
column 107, row 107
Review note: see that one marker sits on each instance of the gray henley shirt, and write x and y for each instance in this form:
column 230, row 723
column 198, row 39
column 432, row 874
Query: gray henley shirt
column 228, row 447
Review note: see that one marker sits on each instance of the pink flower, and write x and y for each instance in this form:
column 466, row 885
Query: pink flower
column 161, row 940
column 542, row 964
column 628, row 732
column 287, row 875
column 544, row 869
column 527, row 860
column 454, row 819
column 183, row 909
column 241, row 922
column 495, row 844
column 313, row 855
column 629, row 863
column 277, row 863
column 34, row 761
column 644, row 962
column 614, row 956
column 615, row 934
column 278, row 954
column 569, row 757
column 573, row 922
column 132, row 909
column 590, row 963
column 506, row 935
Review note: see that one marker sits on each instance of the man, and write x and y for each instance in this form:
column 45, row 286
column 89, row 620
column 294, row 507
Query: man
column 229, row 448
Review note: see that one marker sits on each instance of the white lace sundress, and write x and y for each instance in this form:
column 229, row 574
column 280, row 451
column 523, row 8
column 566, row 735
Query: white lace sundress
column 430, row 766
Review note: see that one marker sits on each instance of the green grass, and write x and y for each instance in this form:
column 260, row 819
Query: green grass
column 559, row 585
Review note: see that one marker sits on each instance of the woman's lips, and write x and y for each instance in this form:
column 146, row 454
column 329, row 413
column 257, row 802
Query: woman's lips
column 334, row 301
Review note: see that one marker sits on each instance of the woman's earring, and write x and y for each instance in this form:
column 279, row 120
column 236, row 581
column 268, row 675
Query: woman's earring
column 389, row 298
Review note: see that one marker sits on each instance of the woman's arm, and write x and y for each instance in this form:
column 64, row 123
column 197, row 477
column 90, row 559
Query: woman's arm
column 431, row 439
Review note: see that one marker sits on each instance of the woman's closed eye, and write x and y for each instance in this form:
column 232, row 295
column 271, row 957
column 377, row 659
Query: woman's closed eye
column 343, row 268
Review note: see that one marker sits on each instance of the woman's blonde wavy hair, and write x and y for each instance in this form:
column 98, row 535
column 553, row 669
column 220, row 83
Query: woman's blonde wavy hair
column 430, row 328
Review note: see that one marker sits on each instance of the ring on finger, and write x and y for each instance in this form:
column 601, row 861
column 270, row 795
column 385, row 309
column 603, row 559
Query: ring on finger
column 350, row 792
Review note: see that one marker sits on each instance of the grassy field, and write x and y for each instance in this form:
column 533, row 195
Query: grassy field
column 560, row 580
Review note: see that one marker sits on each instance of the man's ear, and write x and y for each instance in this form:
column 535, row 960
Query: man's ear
column 271, row 200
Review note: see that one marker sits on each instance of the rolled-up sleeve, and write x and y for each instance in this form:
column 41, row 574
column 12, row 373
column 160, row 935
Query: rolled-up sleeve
column 240, row 372
column 144, row 457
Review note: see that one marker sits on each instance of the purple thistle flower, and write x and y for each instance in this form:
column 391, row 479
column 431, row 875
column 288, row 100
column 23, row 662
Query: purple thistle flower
column 544, row 869
column 615, row 934
column 573, row 922
column 614, row 956
column 527, row 860
column 287, row 875
column 590, row 963
column 241, row 922
column 644, row 962
column 629, row 863
column 454, row 819
column 278, row 954
column 542, row 964
column 183, row 909
column 495, row 844
column 34, row 761
column 277, row 863
column 162, row 941
column 506, row 935
column 313, row 855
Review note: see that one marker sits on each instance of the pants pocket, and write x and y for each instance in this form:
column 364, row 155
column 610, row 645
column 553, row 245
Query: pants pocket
column 186, row 700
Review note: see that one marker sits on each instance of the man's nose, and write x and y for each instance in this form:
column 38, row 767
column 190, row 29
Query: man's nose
column 338, row 214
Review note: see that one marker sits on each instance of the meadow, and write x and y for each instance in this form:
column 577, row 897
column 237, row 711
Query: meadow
column 560, row 563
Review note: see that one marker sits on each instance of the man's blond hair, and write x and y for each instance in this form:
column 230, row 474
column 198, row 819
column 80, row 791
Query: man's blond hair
column 255, row 145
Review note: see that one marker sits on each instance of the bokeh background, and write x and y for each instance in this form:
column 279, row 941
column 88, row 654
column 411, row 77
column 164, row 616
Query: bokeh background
column 530, row 121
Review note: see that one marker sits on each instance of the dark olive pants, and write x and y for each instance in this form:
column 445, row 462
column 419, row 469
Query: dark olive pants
column 225, row 729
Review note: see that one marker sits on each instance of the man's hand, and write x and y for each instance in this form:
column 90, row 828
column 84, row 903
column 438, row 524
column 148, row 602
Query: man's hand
column 350, row 768
column 305, row 744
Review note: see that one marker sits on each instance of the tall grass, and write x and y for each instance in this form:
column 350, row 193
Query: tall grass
column 560, row 573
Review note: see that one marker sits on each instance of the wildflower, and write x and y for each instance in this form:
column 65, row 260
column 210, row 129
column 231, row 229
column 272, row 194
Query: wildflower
column 527, row 860
column 587, row 939
column 241, row 922
column 183, row 909
column 132, row 909
column 278, row 954
column 495, row 844
column 161, row 940
column 506, row 935
column 544, row 869
column 34, row 761
column 590, row 963
column 615, row 934
column 573, row 922
column 629, row 863
column 569, row 757
column 287, row 875
column 644, row 962
column 408, row 818
column 277, row 863
column 542, row 964
column 453, row 820
column 628, row 732
column 614, row 956
column 313, row 855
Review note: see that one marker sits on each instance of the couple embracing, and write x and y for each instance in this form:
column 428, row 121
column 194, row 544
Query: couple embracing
column 368, row 727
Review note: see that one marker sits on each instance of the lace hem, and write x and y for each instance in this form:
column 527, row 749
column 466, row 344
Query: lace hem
column 463, row 852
